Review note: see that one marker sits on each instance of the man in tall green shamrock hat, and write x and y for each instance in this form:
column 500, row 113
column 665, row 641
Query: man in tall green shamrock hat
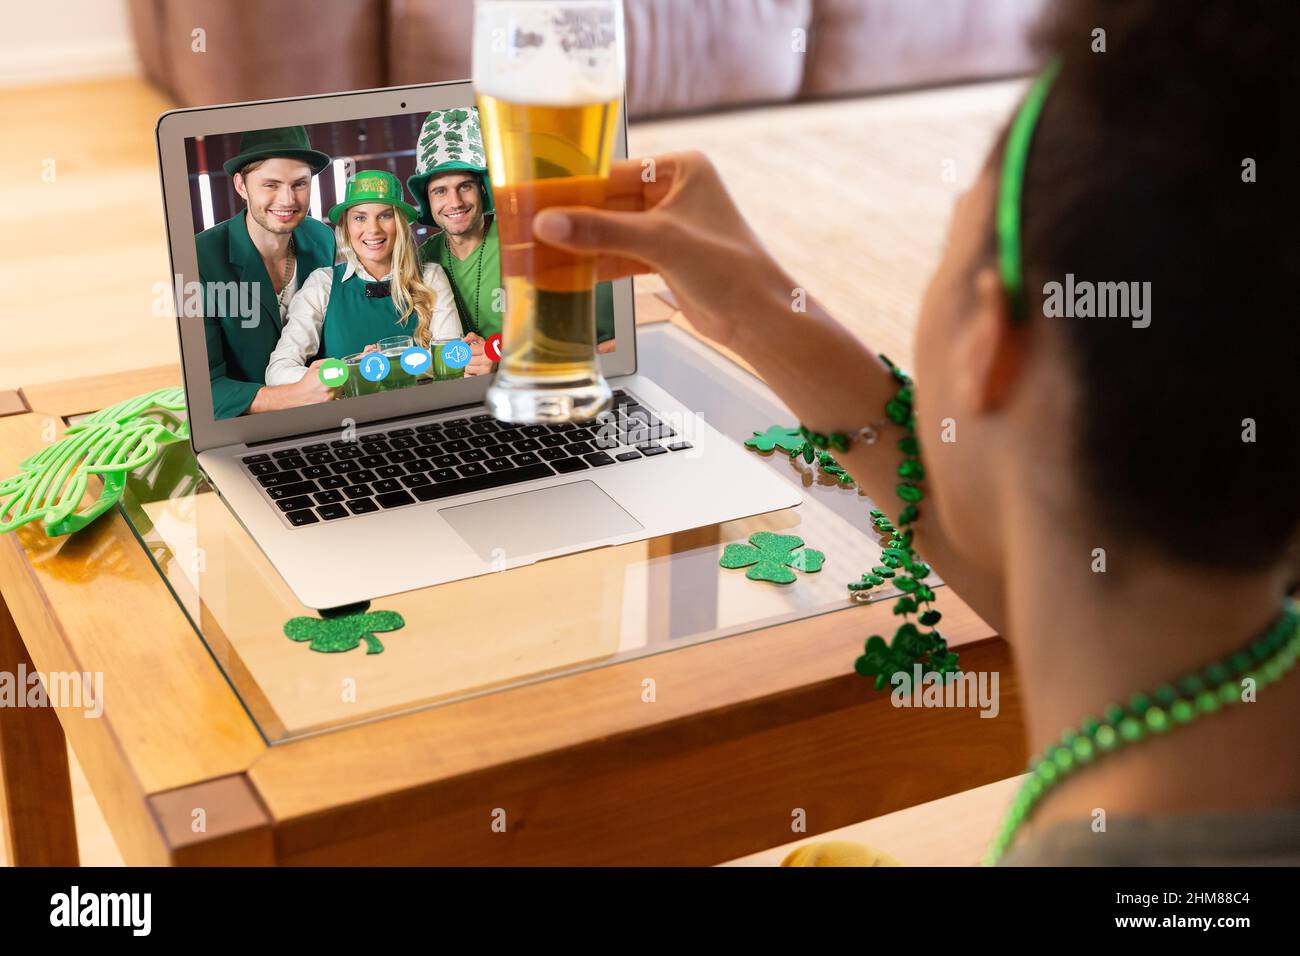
column 451, row 185
column 271, row 246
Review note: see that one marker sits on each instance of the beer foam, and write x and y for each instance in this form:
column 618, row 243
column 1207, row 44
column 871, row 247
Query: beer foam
column 549, row 54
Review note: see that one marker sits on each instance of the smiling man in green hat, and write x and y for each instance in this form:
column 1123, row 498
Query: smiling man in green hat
column 451, row 185
column 272, row 245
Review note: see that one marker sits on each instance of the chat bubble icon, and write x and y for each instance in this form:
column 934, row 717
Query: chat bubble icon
column 416, row 359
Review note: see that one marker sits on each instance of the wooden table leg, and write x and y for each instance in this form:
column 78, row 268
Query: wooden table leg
column 35, row 790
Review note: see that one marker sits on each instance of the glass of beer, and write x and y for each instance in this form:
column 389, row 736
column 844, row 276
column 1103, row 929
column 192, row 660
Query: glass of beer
column 353, row 388
column 392, row 349
column 443, row 372
column 548, row 77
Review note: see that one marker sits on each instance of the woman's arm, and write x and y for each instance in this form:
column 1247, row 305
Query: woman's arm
column 833, row 382
column 672, row 215
column 445, row 323
column 300, row 339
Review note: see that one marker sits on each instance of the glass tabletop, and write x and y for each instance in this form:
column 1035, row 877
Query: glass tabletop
column 499, row 630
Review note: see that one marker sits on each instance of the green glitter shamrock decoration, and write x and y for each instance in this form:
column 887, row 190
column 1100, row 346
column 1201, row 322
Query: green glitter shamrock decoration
column 902, row 568
column 336, row 634
column 796, row 445
column 772, row 556
column 777, row 436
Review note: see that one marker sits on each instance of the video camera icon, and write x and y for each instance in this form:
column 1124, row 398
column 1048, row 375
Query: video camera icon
column 374, row 367
column 332, row 373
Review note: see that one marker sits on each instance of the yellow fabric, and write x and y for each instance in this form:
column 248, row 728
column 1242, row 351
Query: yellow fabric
column 838, row 853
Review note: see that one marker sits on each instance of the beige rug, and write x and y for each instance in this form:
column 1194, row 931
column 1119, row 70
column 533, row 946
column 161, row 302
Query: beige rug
column 852, row 196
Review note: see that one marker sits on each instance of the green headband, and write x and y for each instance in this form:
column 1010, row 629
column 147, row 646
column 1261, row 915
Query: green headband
column 1012, row 187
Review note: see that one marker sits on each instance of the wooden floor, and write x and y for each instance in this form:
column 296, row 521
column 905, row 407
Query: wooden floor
column 952, row 831
column 851, row 196
column 85, row 242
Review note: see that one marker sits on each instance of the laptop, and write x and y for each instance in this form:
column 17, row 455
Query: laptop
column 388, row 489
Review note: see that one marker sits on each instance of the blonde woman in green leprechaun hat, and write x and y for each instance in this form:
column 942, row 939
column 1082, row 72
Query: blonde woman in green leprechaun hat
column 378, row 291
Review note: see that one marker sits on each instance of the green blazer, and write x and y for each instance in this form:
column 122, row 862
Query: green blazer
column 238, row 356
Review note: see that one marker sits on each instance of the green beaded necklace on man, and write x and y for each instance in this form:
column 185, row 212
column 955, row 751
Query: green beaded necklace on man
column 1263, row 660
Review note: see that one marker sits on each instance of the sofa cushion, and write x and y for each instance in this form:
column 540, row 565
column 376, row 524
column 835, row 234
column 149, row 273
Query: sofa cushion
column 254, row 50
column 865, row 45
column 682, row 55
column 687, row 55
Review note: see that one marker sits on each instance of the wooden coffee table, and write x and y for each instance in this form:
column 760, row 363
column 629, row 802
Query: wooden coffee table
column 201, row 755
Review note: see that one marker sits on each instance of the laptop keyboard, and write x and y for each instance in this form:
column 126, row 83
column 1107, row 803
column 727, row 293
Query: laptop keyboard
column 332, row 480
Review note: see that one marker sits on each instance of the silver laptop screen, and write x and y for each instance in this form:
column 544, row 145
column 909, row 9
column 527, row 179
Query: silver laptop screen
column 339, row 260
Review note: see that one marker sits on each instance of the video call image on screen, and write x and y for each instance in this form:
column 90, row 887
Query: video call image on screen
column 346, row 259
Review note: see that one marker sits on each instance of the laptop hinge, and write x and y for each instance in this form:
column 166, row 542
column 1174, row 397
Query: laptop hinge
column 379, row 421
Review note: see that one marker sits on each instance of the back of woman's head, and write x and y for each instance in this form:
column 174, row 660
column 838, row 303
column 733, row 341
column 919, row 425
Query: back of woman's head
column 1166, row 154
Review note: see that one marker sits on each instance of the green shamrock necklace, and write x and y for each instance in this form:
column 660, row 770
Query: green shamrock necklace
column 1264, row 660
column 916, row 642
column 792, row 442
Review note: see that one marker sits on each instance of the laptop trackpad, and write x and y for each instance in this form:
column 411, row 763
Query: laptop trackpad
column 565, row 516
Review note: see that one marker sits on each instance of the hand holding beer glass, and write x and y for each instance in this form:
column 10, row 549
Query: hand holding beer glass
column 548, row 77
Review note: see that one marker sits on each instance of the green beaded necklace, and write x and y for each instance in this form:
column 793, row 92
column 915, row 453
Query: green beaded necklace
column 1264, row 660
column 471, row 317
